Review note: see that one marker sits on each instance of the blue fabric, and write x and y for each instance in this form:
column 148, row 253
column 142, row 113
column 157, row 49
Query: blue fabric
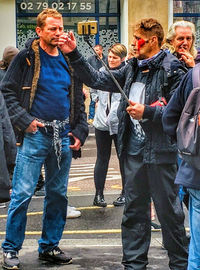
column 145, row 62
column 37, row 149
column 52, row 100
column 194, row 216
column 188, row 176
column 91, row 109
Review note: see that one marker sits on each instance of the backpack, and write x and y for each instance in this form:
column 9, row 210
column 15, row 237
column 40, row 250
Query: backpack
column 188, row 129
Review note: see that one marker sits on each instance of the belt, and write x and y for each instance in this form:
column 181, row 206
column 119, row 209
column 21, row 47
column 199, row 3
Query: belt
column 57, row 127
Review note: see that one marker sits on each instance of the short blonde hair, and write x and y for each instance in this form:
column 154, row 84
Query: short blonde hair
column 49, row 12
column 172, row 33
column 118, row 49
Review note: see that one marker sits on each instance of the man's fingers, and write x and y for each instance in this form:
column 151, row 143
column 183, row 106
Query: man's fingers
column 39, row 124
column 132, row 102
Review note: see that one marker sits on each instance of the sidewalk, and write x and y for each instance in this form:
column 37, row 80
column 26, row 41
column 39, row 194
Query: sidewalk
column 93, row 240
column 95, row 255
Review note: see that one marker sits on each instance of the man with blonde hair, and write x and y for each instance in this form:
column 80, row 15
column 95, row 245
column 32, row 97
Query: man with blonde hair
column 45, row 103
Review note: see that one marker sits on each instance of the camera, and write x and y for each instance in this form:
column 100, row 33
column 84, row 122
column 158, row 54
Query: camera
column 87, row 28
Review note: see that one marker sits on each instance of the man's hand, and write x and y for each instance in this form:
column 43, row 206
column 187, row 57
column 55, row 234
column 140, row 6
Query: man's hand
column 135, row 110
column 187, row 58
column 33, row 127
column 67, row 42
column 77, row 143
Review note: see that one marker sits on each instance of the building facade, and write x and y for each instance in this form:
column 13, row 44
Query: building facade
column 115, row 18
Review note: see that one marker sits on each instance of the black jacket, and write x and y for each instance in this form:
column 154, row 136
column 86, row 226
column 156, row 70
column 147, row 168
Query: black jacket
column 7, row 150
column 163, row 78
column 94, row 61
column 19, row 87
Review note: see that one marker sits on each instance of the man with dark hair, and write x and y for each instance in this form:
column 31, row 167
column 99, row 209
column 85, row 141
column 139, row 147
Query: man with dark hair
column 45, row 103
column 148, row 153
column 94, row 61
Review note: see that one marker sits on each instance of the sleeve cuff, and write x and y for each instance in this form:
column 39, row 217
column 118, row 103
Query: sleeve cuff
column 74, row 55
column 149, row 112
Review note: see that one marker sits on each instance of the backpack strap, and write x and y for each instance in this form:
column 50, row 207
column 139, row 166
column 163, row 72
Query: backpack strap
column 196, row 76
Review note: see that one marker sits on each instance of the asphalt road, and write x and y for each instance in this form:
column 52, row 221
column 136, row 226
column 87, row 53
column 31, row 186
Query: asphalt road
column 94, row 239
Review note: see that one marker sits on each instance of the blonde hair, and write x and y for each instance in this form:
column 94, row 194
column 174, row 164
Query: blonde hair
column 118, row 49
column 172, row 33
column 49, row 12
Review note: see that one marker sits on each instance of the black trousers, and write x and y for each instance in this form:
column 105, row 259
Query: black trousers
column 104, row 146
column 144, row 181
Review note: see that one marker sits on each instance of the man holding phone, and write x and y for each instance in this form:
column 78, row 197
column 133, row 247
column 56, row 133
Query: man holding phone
column 45, row 103
column 149, row 155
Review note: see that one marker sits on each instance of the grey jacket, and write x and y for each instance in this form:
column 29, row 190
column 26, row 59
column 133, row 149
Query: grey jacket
column 7, row 150
column 106, row 100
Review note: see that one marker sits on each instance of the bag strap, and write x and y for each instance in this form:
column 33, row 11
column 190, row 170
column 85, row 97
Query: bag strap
column 196, row 76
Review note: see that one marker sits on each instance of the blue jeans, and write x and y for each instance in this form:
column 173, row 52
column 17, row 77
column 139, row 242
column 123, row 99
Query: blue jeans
column 91, row 109
column 194, row 216
column 37, row 149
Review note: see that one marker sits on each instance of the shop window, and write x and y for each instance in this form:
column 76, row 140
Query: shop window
column 106, row 12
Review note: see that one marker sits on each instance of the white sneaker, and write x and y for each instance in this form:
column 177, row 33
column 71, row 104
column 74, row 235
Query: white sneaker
column 3, row 205
column 72, row 207
column 72, row 212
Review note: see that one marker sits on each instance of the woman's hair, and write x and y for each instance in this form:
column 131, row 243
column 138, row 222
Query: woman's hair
column 49, row 12
column 172, row 33
column 118, row 49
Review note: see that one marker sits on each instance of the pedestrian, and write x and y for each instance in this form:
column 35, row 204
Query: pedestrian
column 187, row 175
column 97, row 64
column 7, row 152
column 45, row 103
column 8, row 54
column 149, row 155
column 106, row 128
column 180, row 41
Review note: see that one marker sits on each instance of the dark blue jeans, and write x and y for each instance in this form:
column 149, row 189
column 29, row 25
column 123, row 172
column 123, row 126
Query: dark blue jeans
column 37, row 149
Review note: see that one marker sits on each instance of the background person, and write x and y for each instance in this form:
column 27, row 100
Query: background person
column 95, row 63
column 149, row 154
column 180, row 41
column 7, row 151
column 8, row 54
column 187, row 175
column 106, row 129
column 45, row 103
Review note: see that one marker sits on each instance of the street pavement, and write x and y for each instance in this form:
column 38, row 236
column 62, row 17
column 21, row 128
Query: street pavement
column 94, row 239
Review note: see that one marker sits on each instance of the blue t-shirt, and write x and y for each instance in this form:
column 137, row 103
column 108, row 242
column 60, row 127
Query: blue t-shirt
column 52, row 100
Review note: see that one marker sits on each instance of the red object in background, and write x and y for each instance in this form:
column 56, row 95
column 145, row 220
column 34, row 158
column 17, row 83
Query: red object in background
column 141, row 42
column 160, row 102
